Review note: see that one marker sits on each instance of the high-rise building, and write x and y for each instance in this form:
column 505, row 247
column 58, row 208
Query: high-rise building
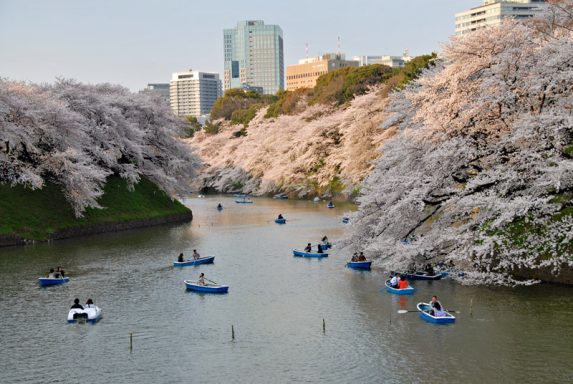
column 194, row 93
column 162, row 89
column 254, row 56
column 307, row 71
column 391, row 61
column 491, row 12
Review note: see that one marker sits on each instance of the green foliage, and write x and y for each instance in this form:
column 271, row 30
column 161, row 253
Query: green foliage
column 343, row 84
column 286, row 102
column 244, row 116
column 240, row 132
column 37, row 214
column 414, row 68
column 236, row 186
column 212, row 128
column 236, row 100
column 336, row 185
column 568, row 151
column 192, row 125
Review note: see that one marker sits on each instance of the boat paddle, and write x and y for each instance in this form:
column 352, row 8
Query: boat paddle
column 402, row 311
column 211, row 281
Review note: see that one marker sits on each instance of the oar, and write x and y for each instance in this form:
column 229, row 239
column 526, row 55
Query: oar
column 402, row 311
column 211, row 281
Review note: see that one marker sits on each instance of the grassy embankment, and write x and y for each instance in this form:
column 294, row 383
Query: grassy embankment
column 35, row 215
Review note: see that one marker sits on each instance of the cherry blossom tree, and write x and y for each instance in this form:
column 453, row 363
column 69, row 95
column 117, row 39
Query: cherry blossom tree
column 481, row 170
column 76, row 135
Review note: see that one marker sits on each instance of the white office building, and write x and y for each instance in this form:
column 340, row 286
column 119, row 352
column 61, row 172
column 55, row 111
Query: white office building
column 492, row 12
column 194, row 93
column 391, row 61
column 161, row 89
column 253, row 55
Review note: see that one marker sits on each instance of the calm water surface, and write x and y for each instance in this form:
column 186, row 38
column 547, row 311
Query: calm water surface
column 276, row 304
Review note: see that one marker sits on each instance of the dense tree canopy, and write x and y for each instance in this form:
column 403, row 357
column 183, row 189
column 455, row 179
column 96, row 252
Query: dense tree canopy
column 76, row 135
column 480, row 172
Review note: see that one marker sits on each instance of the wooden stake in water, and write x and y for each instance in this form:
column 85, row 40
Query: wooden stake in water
column 232, row 332
column 130, row 342
column 323, row 326
column 471, row 306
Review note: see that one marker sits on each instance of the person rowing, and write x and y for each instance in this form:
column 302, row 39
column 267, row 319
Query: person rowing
column 196, row 255
column 394, row 280
column 280, row 217
column 60, row 273
column 354, row 257
column 219, row 206
column 325, row 239
column 361, row 257
column 201, row 280
column 437, row 308
column 319, row 249
column 308, row 248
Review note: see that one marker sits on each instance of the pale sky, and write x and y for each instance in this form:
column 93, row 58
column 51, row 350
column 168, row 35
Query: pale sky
column 135, row 42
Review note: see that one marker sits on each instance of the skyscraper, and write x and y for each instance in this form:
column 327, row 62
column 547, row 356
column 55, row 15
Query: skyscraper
column 194, row 93
column 254, row 56
column 493, row 11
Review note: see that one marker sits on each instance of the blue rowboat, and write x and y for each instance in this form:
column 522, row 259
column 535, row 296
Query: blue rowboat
column 423, row 276
column 330, row 205
column 404, row 291
column 425, row 308
column 345, row 220
column 281, row 196
column 280, row 221
column 325, row 245
column 201, row 260
column 209, row 288
column 308, row 254
column 240, row 195
column 244, row 201
column 45, row 281
column 359, row 264
column 86, row 315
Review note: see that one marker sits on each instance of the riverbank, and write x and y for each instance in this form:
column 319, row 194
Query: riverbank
column 41, row 215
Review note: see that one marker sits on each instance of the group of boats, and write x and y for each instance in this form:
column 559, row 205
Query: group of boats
column 424, row 309
column 205, row 286
column 90, row 314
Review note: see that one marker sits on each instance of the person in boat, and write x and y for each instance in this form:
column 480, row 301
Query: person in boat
column 394, row 280
column 361, row 257
column 280, row 216
column 181, row 258
column 325, row 239
column 60, row 273
column 354, row 257
column 330, row 204
column 51, row 274
column 429, row 270
column 201, row 280
column 403, row 283
column 77, row 304
column 219, row 206
column 308, row 248
column 90, row 304
column 319, row 249
column 437, row 308
column 196, row 255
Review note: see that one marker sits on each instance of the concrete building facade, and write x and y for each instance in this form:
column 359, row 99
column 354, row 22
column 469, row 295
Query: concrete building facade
column 194, row 93
column 161, row 89
column 492, row 12
column 391, row 61
column 254, row 56
column 307, row 71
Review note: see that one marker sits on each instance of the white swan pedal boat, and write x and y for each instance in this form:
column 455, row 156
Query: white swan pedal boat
column 87, row 315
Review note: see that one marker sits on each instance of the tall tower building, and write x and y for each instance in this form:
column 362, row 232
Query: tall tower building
column 491, row 12
column 194, row 93
column 254, row 56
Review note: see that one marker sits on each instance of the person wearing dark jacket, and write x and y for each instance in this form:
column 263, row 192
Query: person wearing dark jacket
column 77, row 304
